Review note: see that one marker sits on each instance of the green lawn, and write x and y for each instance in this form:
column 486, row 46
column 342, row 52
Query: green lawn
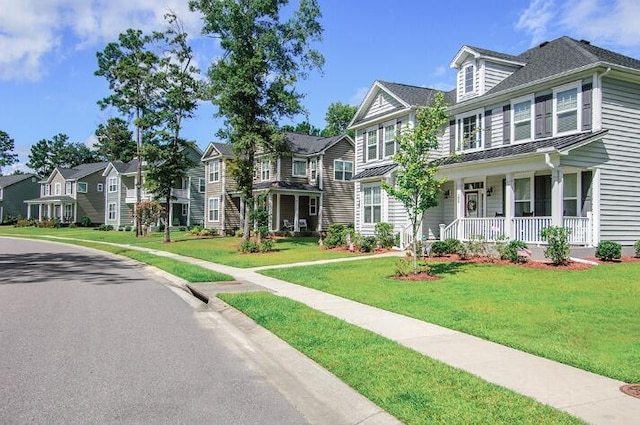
column 408, row 385
column 221, row 250
column 588, row 318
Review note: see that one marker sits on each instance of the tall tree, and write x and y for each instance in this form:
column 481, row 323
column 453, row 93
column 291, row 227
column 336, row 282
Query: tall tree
column 47, row 154
column 178, row 93
column 115, row 141
column 253, row 83
column 7, row 144
column 304, row 127
column 416, row 185
column 338, row 117
column 129, row 66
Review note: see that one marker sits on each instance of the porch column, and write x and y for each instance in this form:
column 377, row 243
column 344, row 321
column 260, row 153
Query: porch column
column 595, row 206
column 170, row 215
column 557, row 200
column 278, row 221
column 296, row 213
column 28, row 211
column 319, row 212
column 460, row 207
column 270, row 210
column 509, row 205
column 242, row 212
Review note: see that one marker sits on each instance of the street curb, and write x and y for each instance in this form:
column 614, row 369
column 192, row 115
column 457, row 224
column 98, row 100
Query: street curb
column 197, row 293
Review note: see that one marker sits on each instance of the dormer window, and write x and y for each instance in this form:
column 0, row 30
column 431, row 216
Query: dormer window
column 469, row 79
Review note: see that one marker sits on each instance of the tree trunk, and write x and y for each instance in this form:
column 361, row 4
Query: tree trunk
column 248, row 210
column 167, row 231
column 138, row 174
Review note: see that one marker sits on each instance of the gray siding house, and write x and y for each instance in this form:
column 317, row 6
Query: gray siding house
column 69, row 194
column 14, row 190
column 547, row 137
column 120, row 195
column 309, row 188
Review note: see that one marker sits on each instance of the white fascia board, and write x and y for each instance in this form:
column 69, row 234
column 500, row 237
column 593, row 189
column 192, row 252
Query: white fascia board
column 383, row 118
column 377, row 86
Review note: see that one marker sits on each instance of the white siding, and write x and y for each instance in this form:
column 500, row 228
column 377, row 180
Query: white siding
column 494, row 202
column 496, row 127
column 620, row 180
column 360, row 139
column 382, row 104
column 494, row 73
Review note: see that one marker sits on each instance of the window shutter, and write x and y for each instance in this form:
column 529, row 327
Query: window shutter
column 452, row 136
column 380, row 142
column 586, row 106
column 543, row 113
column 364, row 146
column 487, row 128
column 506, row 124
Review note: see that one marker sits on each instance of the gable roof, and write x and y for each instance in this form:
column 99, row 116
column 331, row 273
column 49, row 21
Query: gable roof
column 304, row 144
column 6, row 181
column 122, row 167
column 557, row 57
column 224, row 149
column 79, row 171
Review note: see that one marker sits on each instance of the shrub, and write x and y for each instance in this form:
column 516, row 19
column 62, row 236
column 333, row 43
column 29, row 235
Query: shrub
column 453, row 246
column 367, row 243
column 476, row 246
column 195, row 230
column 404, row 267
column 636, row 247
column 72, row 225
column 609, row 251
column 104, row 228
column 28, row 222
column 182, row 228
column 438, row 248
column 249, row 246
column 385, row 235
column 207, row 232
column 335, row 236
column 50, row 223
column 127, row 228
column 508, row 250
column 558, row 244
column 85, row 221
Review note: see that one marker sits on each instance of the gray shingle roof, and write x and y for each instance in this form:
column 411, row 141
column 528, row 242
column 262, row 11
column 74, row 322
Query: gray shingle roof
column 493, row 53
column 413, row 95
column 285, row 185
column 378, row 171
column 125, row 167
column 304, row 144
column 559, row 143
column 82, row 170
column 559, row 56
column 225, row 149
column 13, row 179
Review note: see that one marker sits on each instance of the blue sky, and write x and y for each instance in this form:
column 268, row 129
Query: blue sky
column 48, row 48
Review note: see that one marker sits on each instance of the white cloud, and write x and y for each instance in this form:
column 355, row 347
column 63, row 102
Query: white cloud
column 440, row 71
column 535, row 20
column 32, row 30
column 358, row 96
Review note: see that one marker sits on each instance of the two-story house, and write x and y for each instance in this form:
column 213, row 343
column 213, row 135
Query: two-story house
column 547, row 137
column 14, row 190
column 187, row 203
column 69, row 194
column 309, row 188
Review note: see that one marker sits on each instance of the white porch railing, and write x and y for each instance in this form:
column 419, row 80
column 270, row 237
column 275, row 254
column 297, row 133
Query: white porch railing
column 178, row 193
column 527, row 229
column 406, row 237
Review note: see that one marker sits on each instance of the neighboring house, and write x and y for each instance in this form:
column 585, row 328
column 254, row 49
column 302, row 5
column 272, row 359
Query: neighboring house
column 310, row 185
column 187, row 207
column 547, row 137
column 14, row 190
column 69, row 194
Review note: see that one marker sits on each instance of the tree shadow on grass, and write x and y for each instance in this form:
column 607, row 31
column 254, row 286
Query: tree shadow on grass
column 447, row 268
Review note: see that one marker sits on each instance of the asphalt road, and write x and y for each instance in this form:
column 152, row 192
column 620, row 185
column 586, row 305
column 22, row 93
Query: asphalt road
column 86, row 338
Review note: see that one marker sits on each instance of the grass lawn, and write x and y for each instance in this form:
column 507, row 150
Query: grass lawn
column 408, row 385
column 589, row 318
column 221, row 250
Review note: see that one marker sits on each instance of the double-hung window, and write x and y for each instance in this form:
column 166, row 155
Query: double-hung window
column 313, row 168
column 58, row 188
column 343, row 170
column 111, row 210
column 522, row 196
column 389, row 140
column 566, row 100
column 100, row 187
column 265, row 168
column 201, row 185
column 67, row 188
column 372, row 204
column 299, row 167
column 214, row 171
column 112, row 184
column 570, row 195
column 82, row 187
column 47, row 189
column 469, row 77
column 214, row 209
column 372, row 144
column 313, row 206
column 522, row 119
column 469, row 134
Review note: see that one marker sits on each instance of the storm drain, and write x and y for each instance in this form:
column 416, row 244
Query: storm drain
column 633, row 390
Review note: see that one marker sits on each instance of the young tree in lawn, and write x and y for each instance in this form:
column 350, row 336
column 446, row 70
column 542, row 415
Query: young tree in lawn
column 338, row 117
column 7, row 144
column 416, row 185
column 115, row 141
column 253, row 82
column 129, row 66
column 178, row 93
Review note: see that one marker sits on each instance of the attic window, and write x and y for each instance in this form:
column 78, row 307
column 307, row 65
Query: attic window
column 468, row 79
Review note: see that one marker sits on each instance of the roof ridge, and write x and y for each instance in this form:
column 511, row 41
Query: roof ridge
column 580, row 47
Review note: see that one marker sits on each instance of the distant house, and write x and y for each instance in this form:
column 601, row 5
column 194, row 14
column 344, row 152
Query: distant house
column 120, row 197
column 69, row 194
column 307, row 189
column 547, row 137
column 14, row 190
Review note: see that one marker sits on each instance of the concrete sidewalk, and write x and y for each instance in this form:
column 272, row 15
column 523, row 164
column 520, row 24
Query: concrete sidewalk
column 593, row 398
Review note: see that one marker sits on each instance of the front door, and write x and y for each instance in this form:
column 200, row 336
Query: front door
column 471, row 204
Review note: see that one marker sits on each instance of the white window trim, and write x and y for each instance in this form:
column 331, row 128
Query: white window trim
column 265, row 173
column 214, row 172
column 115, row 211
column 313, row 202
column 210, row 210
column 78, row 187
column 344, row 162
column 366, row 144
column 371, row 186
column 47, row 190
column 68, row 188
column 293, row 168
column 575, row 85
column 466, row 92
column 530, row 177
column 112, row 184
column 531, row 100
column 100, row 187
column 394, row 140
column 58, row 189
column 202, row 184
column 479, row 129
column 313, row 169
column 184, row 210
